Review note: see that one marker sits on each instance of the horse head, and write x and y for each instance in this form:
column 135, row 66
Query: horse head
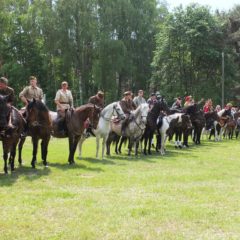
column 5, row 112
column 118, row 111
column 144, row 112
column 37, row 113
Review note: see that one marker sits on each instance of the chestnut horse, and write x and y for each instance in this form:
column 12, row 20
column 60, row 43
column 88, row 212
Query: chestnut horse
column 75, row 123
column 11, row 126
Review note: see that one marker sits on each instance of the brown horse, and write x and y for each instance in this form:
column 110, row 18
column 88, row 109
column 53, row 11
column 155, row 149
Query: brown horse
column 39, row 126
column 11, row 126
column 75, row 123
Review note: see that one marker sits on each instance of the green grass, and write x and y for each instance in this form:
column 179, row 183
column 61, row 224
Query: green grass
column 188, row 194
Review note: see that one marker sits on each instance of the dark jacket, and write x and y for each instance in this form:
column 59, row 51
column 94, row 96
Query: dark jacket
column 99, row 102
column 127, row 106
column 8, row 91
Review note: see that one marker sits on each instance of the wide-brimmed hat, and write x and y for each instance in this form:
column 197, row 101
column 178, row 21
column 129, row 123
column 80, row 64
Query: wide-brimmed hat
column 3, row 80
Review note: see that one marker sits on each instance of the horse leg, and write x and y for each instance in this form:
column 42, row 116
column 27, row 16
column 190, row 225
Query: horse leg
column 5, row 157
column 73, row 149
column 150, row 143
column 44, row 149
column 136, row 147
column 103, row 146
column 20, row 146
column 97, row 145
column 145, row 144
column 82, row 139
column 12, row 156
column 130, row 146
column 180, row 139
column 35, row 148
column 108, row 145
column 121, row 143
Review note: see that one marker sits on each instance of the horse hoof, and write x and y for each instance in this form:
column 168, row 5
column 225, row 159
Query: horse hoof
column 176, row 147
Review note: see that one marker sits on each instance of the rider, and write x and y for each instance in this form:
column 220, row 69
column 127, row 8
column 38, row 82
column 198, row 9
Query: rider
column 188, row 101
column 177, row 104
column 208, row 107
column 28, row 94
column 138, row 100
column 6, row 91
column 152, row 100
column 63, row 101
column 97, row 99
column 127, row 106
column 31, row 92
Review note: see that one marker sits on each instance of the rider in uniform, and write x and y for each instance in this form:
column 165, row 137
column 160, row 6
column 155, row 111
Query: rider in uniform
column 127, row 106
column 5, row 90
column 28, row 94
column 63, row 101
column 97, row 99
column 31, row 92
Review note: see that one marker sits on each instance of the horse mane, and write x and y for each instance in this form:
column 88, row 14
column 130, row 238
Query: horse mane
column 39, row 105
column 84, row 107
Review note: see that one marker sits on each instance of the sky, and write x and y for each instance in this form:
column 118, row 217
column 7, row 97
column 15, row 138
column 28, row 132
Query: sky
column 222, row 5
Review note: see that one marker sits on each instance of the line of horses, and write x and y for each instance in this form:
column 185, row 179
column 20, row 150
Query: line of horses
column 41, row 124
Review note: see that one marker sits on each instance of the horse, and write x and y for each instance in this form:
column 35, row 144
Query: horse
column 75, row 124
column 168, row 124
column 103, row 126
column 198, row 121
column 151, row 125
column 11, row 127
column 180, row 129
column 134, row 130
column 39, row 127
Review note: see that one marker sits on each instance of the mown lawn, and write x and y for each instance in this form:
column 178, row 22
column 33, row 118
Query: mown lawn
column 187, row 194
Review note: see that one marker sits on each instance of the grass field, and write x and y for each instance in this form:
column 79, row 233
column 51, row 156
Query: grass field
column 187, row 194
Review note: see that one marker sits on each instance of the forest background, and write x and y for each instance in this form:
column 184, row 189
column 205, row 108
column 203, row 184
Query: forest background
column 117, row 45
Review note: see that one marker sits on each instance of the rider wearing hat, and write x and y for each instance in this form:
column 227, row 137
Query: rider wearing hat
column 97, row 99
column 6, row 91
column 127, row 106
column 63, row 101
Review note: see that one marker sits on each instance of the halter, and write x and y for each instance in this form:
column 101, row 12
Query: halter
column 109, row 119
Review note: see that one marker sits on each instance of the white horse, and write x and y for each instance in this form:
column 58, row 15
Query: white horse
column 103, row 127
column 165, row 126
column 135, row 128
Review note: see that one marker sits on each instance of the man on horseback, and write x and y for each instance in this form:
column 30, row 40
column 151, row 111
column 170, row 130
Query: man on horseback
column 127, row 106
column 97, row 99
column 177, row 104
column 31, row 92
column 138, row 100
column 152, row 100
column 63, row 101
column 5, row 90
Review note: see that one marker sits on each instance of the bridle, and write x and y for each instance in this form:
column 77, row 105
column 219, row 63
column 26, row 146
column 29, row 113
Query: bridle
column 114, row 109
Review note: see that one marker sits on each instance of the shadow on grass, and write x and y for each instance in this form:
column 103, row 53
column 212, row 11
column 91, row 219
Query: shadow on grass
column 67, row 167
column 94, row 160
column 29, row 173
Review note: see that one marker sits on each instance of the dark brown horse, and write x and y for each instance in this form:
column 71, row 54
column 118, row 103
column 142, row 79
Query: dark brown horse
column 11, row 126
column 39, row 126
column 75, row 123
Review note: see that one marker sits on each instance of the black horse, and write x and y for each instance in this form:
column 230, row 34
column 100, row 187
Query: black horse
column 11, row 127
column 198, row 121
column 39, row 126
column 160, row 105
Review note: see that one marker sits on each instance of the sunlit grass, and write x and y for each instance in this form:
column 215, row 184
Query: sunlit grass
column 188, row 194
